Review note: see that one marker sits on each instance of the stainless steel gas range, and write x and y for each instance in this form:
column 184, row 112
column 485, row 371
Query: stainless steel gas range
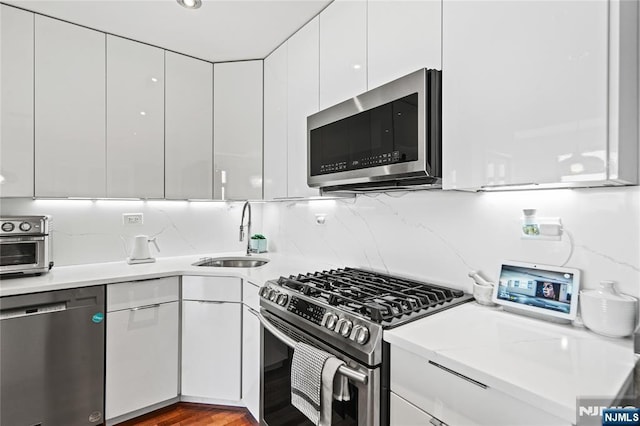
column 343, row 312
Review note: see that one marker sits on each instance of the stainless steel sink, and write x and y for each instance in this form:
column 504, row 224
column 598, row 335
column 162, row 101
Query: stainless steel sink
column 232, row 262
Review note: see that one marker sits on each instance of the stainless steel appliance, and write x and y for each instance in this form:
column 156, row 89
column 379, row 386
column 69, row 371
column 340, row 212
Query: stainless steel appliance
column 52, row 358
column 343, row 312
column 385, row 138
column 24, row 245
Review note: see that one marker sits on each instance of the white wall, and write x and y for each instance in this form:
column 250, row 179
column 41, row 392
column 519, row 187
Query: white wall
column 85, row 231
column 441, row 235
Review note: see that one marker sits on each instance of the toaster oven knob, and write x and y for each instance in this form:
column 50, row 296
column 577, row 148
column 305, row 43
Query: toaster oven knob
column 361, row 334
column 25, row 226
column 344, row 327
column 8, row 226
column 329, row 320
column 282, row 299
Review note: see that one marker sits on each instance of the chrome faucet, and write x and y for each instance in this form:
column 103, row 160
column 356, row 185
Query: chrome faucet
column 244, row 209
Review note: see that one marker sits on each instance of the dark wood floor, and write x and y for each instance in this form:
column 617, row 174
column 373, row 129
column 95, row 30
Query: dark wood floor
column 184, row 414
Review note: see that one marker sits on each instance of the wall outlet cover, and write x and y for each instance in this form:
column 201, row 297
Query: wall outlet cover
column 132, row 218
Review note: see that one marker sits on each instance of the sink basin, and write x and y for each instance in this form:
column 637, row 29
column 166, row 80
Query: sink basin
column 232, row 262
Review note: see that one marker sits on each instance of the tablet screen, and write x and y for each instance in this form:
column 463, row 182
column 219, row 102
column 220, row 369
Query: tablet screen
column 537, row 288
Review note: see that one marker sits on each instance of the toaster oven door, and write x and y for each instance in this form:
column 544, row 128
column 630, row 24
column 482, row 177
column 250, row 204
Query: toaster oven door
column 23, row 254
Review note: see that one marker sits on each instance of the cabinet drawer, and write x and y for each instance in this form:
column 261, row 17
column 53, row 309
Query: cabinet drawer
column 456, row 399
column 142, row 293
column 223, row 289
column 250, row 295
column 405, row 414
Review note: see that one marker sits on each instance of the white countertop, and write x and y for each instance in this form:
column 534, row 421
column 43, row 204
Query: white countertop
column 62, row 277
column 543, row 364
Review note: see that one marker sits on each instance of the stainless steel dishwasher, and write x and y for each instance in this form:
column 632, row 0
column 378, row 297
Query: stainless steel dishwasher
column 52, row 358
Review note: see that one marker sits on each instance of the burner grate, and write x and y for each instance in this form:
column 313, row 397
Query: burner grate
column 377, row 297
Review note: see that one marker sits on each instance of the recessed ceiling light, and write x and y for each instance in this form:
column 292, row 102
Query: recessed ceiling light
column 190, row 4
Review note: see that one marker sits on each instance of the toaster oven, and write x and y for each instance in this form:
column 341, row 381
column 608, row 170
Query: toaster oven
column 24, row 245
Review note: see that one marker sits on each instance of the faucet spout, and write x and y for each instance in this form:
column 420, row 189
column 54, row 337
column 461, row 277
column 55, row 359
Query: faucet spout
column 245, row 208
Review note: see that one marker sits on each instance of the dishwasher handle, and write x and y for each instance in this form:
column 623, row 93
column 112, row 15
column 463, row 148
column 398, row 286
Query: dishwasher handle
column 48, row 308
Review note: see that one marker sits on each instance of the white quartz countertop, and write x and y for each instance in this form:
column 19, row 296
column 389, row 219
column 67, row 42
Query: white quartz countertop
column 544, row 364
column 63, row 277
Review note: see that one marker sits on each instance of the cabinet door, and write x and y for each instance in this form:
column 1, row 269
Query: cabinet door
column 16, row 109
column 404, row 413
column 302, row 101
column 251, row 361
column 237, row 130
column 522, row 105
column 275, row 124
column 189, row 128
column 135, row 119
column 142, row 358
column 211, row 350
column 403, row 36
column 343, row 51
column 69, row 110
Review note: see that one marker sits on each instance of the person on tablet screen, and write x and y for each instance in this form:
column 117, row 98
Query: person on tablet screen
column 548, row 291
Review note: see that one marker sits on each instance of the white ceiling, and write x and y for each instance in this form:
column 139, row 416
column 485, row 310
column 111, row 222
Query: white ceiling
column 220, row 30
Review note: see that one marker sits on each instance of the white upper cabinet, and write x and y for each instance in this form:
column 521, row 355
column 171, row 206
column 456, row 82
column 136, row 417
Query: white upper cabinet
column 539, row 93
column 16, row 107
column 275, row 124
column 135, row 119
column 343, row 51
column 69, row 110
column 403, row 36
column 302, row 100
column 237, row 131
column 189, row 128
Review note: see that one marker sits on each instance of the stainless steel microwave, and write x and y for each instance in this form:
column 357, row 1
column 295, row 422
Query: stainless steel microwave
column 389, row 137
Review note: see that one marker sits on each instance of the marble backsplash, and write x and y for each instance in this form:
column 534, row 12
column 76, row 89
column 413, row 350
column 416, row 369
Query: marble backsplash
column 442, row 235
column 435, row 235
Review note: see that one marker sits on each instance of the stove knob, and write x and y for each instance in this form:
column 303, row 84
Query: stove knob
column 282, row 299
column 360, row 334
column 264, row 292
column 25, row 226
column 329, row 320
column 273, row 295
column 344, row 327
column 8, row 226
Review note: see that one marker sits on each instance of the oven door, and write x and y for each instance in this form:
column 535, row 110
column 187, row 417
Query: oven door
column 23, row 254
column 276, row 409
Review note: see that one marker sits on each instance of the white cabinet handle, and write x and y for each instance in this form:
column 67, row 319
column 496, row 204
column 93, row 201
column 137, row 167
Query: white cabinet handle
column 462, row 376
column 139, row 308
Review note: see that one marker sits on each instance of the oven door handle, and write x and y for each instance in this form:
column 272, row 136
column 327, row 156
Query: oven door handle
column 343, row 369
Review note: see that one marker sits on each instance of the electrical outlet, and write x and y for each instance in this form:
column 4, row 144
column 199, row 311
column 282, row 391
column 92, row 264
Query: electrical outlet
column 132, row 218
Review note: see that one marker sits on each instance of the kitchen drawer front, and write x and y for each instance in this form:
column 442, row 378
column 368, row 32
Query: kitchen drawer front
column 457, row 399
column 135, row 294
column 222, row 289
column 404, row 414
column 250, row 295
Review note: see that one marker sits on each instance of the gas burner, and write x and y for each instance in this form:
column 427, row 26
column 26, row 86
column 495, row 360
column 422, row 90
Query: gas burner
column 380, row 298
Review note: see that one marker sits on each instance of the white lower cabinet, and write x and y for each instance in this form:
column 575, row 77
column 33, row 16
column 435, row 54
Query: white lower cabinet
column 456, row 399
column 142, row 346
column 211, row 340
column 404, row 413
column 251, row 348
column 251, row 361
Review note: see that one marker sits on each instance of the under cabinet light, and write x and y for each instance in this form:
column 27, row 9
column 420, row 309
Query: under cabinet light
column 190, row 4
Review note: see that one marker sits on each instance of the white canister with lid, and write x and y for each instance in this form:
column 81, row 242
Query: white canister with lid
column 608, row 312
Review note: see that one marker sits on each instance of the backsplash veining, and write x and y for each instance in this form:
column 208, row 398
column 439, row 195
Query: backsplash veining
column 435, row 235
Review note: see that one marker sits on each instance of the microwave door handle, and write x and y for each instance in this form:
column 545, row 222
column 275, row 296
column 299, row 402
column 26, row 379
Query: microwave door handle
column 344, row 370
